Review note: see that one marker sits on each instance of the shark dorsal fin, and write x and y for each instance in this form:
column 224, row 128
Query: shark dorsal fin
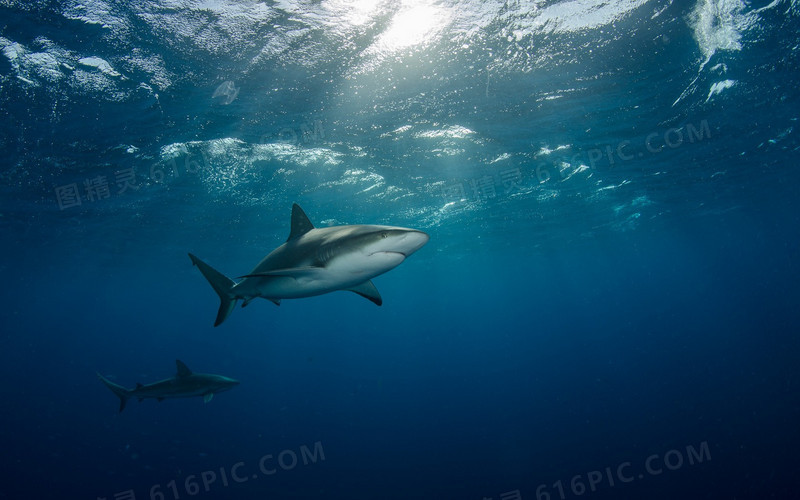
column 301, row 224
column 183, row 370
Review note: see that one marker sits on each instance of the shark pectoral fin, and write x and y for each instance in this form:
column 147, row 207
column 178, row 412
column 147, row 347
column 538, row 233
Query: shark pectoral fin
column 208, row 397
column 368, row 291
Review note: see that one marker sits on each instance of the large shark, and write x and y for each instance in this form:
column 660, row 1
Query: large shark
column 184, row 384
column 314, row 261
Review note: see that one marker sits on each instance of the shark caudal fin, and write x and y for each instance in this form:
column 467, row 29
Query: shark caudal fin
column 122, row 393
column 222, row 285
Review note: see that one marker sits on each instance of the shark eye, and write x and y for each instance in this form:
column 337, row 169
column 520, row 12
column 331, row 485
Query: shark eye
column 384, row 235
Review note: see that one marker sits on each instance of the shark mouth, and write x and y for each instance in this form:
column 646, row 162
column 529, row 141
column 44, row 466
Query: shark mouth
column 388, row 252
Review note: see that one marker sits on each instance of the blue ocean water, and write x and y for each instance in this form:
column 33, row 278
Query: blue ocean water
column 607, row 307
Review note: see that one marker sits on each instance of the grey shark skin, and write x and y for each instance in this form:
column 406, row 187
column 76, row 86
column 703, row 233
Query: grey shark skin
column 184, row 384
column 314, row 261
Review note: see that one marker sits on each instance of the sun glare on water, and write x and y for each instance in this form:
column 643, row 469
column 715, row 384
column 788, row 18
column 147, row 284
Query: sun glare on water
column 415, row 24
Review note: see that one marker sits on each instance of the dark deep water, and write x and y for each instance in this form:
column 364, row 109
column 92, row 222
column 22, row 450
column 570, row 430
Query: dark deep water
column 607, row 307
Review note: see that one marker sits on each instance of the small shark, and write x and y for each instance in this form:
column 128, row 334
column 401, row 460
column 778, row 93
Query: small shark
column 314, row 261
column 184, row 384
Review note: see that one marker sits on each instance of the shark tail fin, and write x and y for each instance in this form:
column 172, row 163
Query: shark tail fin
column 122, row 393
column 222, row 285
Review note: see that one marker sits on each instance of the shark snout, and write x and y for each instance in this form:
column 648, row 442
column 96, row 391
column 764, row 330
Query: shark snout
column 227, row 383
column 395, row 240
column 413, row 240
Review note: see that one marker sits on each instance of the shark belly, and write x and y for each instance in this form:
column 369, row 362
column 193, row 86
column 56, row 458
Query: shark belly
column 170, row 389
column 342, row 273
column 286, row 287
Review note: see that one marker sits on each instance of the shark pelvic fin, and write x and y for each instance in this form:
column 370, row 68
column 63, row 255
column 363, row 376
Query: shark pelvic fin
column 301, row 224
column 208, row 397
column 183, row 370
column 222, row 285
column 122, row 393
column 368, row 291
